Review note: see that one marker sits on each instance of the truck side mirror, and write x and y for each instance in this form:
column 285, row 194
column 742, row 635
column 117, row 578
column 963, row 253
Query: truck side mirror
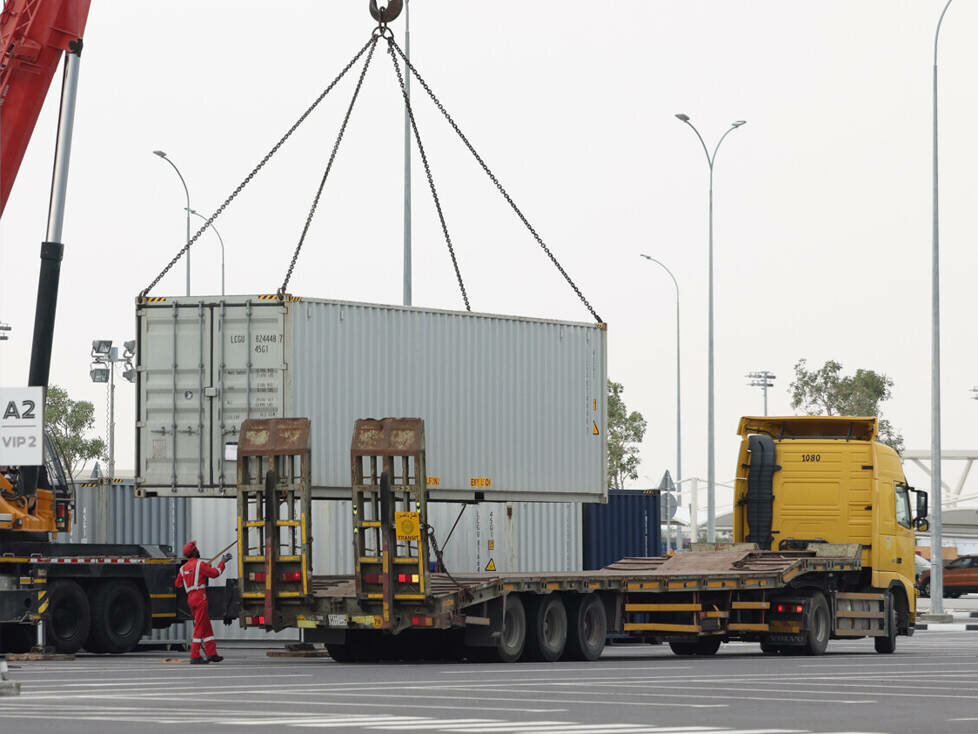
column 921, row 504
column 922, row 524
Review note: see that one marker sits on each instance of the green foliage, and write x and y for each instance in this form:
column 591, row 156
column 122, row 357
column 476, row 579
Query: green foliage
column 625, row 432
column 67, row 421
column 826, row 391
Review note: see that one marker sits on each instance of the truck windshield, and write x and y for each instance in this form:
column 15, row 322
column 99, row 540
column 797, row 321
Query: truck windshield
column 902, row 505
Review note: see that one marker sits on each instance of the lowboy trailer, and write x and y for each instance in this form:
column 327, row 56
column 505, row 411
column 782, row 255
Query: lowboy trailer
column 814, row 587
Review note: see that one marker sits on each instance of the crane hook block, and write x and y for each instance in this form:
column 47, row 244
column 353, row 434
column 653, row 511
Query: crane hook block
column 387, row 13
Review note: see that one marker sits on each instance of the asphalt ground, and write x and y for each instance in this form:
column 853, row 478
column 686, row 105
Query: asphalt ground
column 928, row 685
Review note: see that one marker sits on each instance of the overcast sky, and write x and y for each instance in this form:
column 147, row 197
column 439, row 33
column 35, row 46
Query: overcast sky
column 823, row 208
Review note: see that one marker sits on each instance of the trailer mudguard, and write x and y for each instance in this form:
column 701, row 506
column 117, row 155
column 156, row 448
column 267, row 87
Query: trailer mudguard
column 760, row 494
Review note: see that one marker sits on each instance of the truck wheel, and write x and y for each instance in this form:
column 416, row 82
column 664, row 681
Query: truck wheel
column 339, row 653
column 587, row 628
column 819, row 623
column 17, row 638
column 707, row 645
column 887, row 643
column 70, row 617
column 925, row 589
column 118, row 616
column 683, row 648
column 512, row 638
column 547, row 630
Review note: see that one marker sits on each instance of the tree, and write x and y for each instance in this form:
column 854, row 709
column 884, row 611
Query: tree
column 67, row 421
column 826, row 391
column 625, row 431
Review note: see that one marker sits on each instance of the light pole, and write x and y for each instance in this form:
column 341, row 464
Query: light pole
column 679, row 415
column 936, row 531
column 710, row 431
column 219, row 239
column 162, row 155
column 104, row 359
column 763, row 380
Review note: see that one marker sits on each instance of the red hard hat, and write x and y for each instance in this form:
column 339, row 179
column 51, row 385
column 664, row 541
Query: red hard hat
column 189, row 548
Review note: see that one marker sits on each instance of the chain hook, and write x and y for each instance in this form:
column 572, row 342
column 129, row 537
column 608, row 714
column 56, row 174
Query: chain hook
column 386, row 14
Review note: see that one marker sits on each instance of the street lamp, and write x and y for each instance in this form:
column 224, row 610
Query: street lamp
column 679, row 421
column 162, row 155
column 936, row 531
column 219, row 239
column 710, row 439
column 104, row 359
column 763, row 380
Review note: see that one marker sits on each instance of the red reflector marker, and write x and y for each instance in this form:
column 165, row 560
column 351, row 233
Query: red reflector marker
column 371, row 578
column 292, row 576
column 798, row 608
column 259, row 576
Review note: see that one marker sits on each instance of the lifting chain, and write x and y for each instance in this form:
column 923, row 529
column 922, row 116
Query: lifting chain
column 257, row 168
column 492, row 177
column 427, row 170
column 329, row 164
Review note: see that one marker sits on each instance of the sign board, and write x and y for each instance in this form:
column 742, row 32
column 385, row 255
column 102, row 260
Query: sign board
column 21, row 426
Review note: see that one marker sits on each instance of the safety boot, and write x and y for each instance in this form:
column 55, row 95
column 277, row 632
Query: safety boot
column 214, row 659
column 199, row 661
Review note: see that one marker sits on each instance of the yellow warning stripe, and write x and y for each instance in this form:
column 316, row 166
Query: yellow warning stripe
column 43, row 604
column 164, row 614
column 162, row 596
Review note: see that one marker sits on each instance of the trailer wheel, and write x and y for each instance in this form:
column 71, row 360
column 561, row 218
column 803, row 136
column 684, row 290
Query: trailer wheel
column 683, row 648
column 70, row 617
column 546, row 635
column 887, row 643
column 819, row 624
column 118, row 616
column 587, row 628
column 512, row 638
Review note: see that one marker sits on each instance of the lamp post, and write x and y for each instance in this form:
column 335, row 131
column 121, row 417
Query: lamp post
column 219, row 239
column 762, row 379
column 679, row 420
column 936, row 531
column 711, row 408
column 162, row 155
column 104, row 359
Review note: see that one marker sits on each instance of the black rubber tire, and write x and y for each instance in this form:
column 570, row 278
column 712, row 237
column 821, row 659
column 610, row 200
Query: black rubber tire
column 925, row 589
column 887, row 643
column 17, row 638
column 512, row 638
column 707, row 646
column 546, row 632
column 953, row 594
column 118, row 617
column 339, row 653
column 587, row 627
column 69, row 616
column 683, row 648
column 819, row 624
column 769, row 648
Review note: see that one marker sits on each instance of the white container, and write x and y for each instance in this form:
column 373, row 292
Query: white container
column 514, row 408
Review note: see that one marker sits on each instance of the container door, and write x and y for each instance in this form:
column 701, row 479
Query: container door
column 249, row 376
column 174, row 365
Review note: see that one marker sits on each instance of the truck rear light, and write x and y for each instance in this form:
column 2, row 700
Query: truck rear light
column 422, row 621
column 257, row 576
column 255, row 620
column 292, row 576
column 789, row 608
column 372, row 578
column 407, row 578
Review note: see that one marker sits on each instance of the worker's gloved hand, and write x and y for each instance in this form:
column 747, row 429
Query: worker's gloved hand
column 226, row 557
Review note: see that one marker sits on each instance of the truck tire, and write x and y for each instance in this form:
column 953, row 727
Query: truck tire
column 887, row 643
column 118, row 617
column 925, row 589
column 512, row 637
column 587, row 627
column 69, row 616
column 819, row 625
column 707, row 646
column 546, row 635
column 339, row 653
column 17, row 638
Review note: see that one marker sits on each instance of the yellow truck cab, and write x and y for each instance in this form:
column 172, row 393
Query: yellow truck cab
column 805, row 480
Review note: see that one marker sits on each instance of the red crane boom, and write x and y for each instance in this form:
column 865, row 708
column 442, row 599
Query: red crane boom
column 33, row 35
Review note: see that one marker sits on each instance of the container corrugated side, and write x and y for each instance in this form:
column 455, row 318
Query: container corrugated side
column 628, row 525
column 514, row 408
column 111, row 514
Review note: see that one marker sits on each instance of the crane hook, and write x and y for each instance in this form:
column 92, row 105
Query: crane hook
column 387, row 13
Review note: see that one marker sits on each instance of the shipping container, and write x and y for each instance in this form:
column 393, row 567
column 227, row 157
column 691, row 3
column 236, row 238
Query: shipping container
column 627, row 527
column 514, row 407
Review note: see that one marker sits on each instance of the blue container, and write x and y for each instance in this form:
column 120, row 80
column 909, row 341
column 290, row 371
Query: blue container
column 627, row 526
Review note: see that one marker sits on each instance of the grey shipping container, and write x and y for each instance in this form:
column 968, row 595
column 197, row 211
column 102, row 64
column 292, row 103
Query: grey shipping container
column 628, row 526
column 514, row 408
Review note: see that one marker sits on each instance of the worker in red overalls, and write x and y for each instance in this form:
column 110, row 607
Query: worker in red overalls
column 193, row 577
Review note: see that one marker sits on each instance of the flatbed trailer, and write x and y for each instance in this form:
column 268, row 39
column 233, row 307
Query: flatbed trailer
column 394, row 607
